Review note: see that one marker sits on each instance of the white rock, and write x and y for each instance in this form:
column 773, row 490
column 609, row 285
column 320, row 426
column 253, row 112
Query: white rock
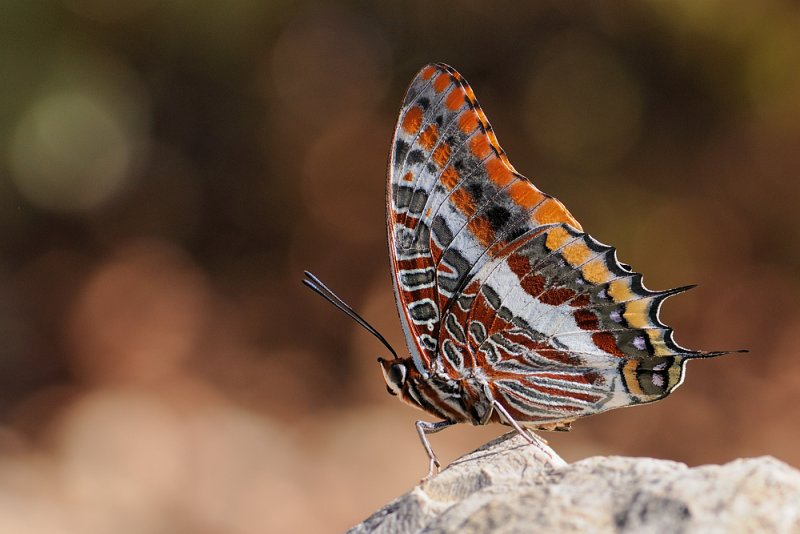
column 509, row 485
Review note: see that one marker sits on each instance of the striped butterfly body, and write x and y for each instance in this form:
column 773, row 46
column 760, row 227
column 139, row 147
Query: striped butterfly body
column 512, row 314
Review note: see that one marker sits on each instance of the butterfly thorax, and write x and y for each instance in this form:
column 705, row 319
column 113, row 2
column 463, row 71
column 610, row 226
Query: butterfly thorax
column 460, row 400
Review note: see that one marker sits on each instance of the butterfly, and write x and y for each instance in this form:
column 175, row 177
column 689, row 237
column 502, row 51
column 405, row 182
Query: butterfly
column 511, row 312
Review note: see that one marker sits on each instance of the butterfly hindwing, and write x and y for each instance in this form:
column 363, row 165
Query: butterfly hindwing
column 561, row 329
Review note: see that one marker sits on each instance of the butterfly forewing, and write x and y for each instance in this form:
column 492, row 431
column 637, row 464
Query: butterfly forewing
column 454, row 201
column 496, row 279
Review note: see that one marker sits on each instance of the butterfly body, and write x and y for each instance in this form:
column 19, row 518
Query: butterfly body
column 511, row 312
column 460, row 399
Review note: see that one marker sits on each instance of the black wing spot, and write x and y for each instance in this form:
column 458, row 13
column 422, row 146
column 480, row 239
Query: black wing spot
column 418, row 200
column 453, row 354
column 498, row 217
column 402, row 196
column 423, row 311
column 442, row 233
column 455, row 329
column 400, row 150
column 475, row 190
column 415, row 156
column 423, row 102
column 516, row 232
column 478, row 331
column 459, row 165
column 491, row 296
column 505, row 314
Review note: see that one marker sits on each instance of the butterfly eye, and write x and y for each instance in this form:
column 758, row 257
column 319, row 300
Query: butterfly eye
column 397, row 375
column 394, row 374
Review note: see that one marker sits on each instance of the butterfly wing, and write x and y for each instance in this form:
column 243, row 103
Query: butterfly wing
column 561, row 329
column 453, row 202
column 497, row 280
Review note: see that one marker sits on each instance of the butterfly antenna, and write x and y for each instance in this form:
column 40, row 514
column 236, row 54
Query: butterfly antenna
column 316, row 285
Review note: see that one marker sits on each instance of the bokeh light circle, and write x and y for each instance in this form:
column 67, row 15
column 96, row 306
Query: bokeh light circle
column 70, row 152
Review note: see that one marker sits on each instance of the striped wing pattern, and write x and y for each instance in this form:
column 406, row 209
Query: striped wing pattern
column 499, row 290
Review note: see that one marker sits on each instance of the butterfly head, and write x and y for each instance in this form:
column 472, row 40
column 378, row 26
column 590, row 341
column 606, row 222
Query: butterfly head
column 395, row 373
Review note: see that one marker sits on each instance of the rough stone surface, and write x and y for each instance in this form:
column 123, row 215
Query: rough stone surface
column 509, row 485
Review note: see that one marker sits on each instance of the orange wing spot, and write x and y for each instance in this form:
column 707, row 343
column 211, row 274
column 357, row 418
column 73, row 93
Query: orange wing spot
column 455, row 99
column 524, row 194
column 576, row 253
column 463, row 202
column 553, row 211
column 657, row 342
column 620, row 290
column 632, row 379
column 441, row 82
column 637, row 313
column 413, row 120
column 450, row 177
column 408, row 177
column 441, row 155
column 468, row 121
column 498, row 172
column 480, row 146
column 428, row 71
column 606, row 342
column 482, row 230
column 596, row 272
column 429, row 136
column 555, row 238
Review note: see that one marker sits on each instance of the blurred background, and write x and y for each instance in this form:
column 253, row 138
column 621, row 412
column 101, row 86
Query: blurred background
column 168, row 168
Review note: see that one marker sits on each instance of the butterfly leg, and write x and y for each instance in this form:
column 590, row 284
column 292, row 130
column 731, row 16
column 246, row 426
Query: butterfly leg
column 529, row 436
column 511, row 421
column 423, row 429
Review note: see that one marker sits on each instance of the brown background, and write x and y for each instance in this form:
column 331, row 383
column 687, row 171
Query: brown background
column 169, row 168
